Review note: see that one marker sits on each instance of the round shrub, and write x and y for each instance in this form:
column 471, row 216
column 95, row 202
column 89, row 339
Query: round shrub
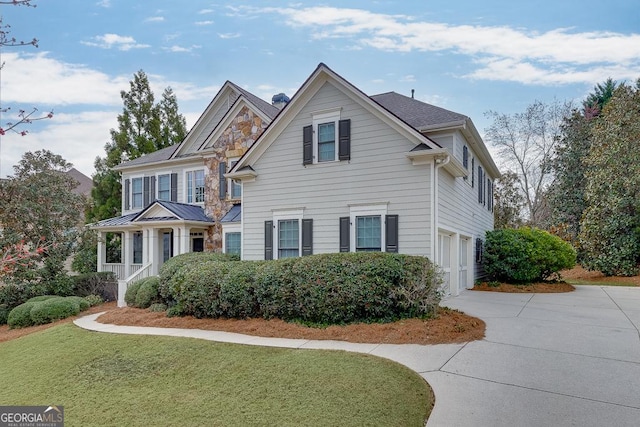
column 20, row 316
column 147, row 292
column 54, row 309
column 132, row 291
column 525, row 255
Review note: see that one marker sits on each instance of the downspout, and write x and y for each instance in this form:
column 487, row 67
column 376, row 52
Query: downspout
column 438, row 162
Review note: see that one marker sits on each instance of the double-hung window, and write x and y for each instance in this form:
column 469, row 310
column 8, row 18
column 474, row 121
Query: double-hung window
column 164, row 187
column 327, row 138
column 233, row 242
column 288, row 235
column 136, row 193
column 195, row 186
column 369, row 233
column 288, row 238
column 326, row 142
column 368, row 228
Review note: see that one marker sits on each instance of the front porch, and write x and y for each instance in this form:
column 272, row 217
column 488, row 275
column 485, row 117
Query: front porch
column 136, row 246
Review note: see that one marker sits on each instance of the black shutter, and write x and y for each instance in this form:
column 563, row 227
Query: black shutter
column 152, row 188
column 487, row 202
column 307, row 236
column 345, row 231
column 268, row 240
column 174, row 187
column 127, row 188
column 480, row 185
column 344, row 138
column 391, row 233
column 145, row 192
column 307, row 145
column 473, row 176
column 465, row 157
column 222, row 169
column 478, row 251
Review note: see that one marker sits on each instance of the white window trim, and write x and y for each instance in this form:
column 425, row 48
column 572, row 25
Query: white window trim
column 367, row 210
column 158, row 175
column 293, row 214
column 230, row 181
column 131, row 192
column 231, row 228
column 186, row 185
column 322, row 117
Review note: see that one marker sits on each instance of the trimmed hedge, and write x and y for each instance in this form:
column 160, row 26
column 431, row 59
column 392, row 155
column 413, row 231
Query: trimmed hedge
column 20, row 316
column 525, row 255
column 55, row 309
column 45, row 309
column 324, row 289
column 132, row 291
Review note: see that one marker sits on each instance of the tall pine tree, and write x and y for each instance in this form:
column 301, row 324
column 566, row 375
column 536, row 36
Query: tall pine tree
column 144, row 126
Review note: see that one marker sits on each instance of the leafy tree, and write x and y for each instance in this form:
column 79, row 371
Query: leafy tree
column 508, row 202
column 143, row 127
column 40, row 210
column 567, row 194
column 610, row 228
column 526, row 142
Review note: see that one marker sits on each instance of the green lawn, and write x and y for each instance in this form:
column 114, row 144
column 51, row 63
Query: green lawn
column 107, row 380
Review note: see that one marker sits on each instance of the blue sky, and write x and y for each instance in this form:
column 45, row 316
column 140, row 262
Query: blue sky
column 466, row 56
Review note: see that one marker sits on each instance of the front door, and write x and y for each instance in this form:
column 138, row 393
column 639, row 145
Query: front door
column 167, row 245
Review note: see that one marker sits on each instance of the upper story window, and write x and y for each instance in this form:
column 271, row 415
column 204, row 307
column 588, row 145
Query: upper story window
column 195, row 186
column 136, row 193
column 327, row 139
column 326, row 145
column 164, row 187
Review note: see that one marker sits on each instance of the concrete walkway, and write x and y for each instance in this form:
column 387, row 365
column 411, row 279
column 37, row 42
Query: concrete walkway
column 569, row 359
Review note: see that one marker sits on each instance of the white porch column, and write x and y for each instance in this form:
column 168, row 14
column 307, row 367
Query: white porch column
column 154, row 256
column 127, row 253
column 176, row 241
column 102, row 249
column 145, row 246
column 454, row 277
column 185, row 245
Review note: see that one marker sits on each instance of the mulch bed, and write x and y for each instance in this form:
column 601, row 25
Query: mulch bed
column 541, row 288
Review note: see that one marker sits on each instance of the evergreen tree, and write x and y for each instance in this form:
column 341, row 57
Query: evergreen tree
column 610, row 229
column 143, row 127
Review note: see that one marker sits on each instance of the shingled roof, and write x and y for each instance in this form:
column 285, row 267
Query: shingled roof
column 417, row 114
column 156, row 156
column 268, row 109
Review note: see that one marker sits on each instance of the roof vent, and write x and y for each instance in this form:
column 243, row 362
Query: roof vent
column 412, row 92
column 279, row 100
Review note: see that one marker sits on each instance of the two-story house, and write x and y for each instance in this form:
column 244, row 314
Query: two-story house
column 333, row 170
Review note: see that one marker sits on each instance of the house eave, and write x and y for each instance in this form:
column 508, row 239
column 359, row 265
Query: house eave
column 242, row 175
column 437, row 156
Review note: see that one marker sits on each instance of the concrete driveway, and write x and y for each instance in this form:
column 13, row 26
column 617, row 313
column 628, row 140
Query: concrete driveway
column 570, row 359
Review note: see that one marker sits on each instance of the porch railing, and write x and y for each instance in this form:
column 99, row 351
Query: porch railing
column 143, row 271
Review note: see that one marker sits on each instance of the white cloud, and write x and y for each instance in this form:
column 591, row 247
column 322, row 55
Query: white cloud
column 104, row 3
column 108, row 41
column 205, row 11
column 176, row 48
column 203, row 23
column 554, row 57
column 39, row 79
column 229, row 35
column 408, row 78
column 155, row 19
